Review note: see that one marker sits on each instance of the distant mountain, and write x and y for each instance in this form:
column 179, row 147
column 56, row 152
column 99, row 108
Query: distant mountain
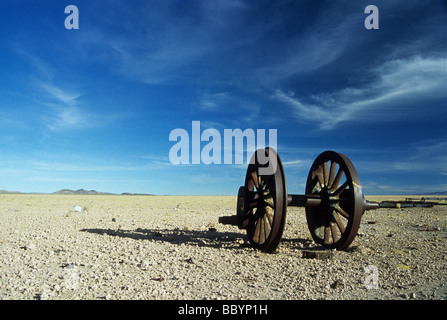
column 81, row 191
column 9, row 192
column 135, row 194
column 94, row 192
column 439, row 193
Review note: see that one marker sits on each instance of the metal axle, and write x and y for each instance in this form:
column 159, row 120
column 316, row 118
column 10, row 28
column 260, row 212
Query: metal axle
column 298, row 200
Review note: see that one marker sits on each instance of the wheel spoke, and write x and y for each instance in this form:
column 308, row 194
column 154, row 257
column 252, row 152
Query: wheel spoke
column 269, row 214
column 332, row 174
column 341, row 189
column 338, row 221
column 254, row 177
column 269, row 202
column 317, row 186
column 327, row 235
column 268, row 224
column 319, row 174
column 341, row 211
column 257, row 231
column 267, row 228
column 253, row 199
column 319, row 232
column 325, row 173
column 261, row 230
column 337, row 179
column 335, row 232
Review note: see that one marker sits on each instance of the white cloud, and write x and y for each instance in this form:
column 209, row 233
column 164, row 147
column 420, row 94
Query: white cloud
column 64, row 112
column 67, row 118
column 165, row 47
column 394, row 84
column 425, row 156
column 213, row 101
column 63, row 96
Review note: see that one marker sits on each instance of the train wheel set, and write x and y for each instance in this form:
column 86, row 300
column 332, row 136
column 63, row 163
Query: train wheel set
column 333, row 200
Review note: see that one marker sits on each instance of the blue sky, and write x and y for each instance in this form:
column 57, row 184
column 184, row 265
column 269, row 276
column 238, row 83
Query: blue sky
column 93, row 108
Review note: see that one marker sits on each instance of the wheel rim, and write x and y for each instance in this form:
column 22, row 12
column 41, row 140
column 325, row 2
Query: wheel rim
column 335, row 222
column 267, row 202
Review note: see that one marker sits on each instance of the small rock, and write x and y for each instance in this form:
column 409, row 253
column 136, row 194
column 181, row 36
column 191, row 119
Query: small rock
column 337, row 284
column 145, row 264
column 69, row 265
column 320, row 255
column 29, row 246
column 190, row 260
column 76, row 209
column 160, row 279
column 404, row 267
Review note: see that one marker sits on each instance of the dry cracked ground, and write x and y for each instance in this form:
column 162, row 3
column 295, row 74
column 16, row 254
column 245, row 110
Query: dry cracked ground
column 163, row 247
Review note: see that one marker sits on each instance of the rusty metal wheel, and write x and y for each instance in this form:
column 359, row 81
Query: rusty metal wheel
column 335, row 222
column 264, row 199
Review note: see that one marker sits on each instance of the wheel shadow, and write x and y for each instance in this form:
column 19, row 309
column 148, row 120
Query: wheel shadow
column 302, row 244
column 208, row 238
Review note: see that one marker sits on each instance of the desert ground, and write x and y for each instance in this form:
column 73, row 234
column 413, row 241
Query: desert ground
column 172, row 247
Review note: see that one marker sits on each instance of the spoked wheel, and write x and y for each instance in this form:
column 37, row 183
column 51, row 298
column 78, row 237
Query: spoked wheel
column 264, row 200
column 335, row 222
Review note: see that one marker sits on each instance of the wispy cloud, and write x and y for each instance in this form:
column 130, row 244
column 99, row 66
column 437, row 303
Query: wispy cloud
column 62, row 106
column 230, row 39
column 63, row 110
column 213, row 101
column 62, row 96
column 169, row 47
column 395, row 83
column 319, row 45
column 424, row 157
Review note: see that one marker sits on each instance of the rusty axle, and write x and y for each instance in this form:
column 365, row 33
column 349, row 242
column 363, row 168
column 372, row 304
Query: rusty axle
column 297, row 200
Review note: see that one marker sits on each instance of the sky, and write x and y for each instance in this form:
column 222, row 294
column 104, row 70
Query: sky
column 94, row 107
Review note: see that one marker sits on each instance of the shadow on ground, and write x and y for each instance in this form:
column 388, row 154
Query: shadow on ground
column 206, row 238
column 213, row 239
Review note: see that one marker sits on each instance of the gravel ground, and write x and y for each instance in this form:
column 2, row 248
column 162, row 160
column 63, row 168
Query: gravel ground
column 162, row 247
